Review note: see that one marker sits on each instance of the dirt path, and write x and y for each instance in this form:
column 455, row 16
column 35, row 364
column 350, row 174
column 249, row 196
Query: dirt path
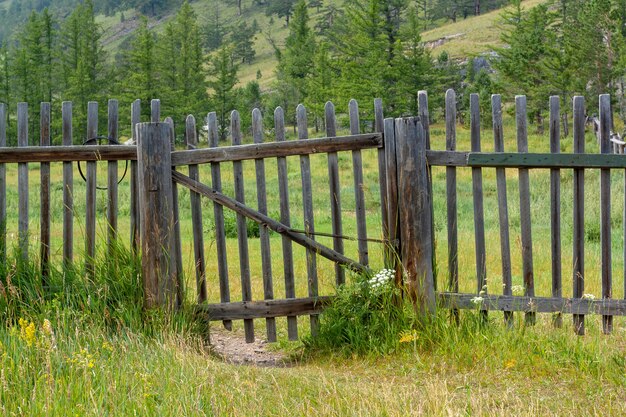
column 232, row 348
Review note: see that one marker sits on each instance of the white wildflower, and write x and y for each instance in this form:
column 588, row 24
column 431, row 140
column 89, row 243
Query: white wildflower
column 517, row 289
column 477, row 300
column 588, row 297
column 381, row 278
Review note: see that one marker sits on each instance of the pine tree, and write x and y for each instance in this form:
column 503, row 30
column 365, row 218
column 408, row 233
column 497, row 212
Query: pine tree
column 184, row 90
column 411, row 64
column 82, row 61
column 320, row 84
column 140, row 77
column 522, row 65
column 296, row 61
column 223, row 81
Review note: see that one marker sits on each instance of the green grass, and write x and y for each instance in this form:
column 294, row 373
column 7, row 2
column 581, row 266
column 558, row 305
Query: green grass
column 120, row 366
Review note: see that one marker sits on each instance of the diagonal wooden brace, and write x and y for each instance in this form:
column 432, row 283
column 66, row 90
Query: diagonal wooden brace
column 270, row 223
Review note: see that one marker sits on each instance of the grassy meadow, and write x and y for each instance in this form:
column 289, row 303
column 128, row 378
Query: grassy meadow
column 89, row 350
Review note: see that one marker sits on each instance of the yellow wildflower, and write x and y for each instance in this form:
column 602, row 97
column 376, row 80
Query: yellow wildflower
column 407, row 337
column 28, row 332
column 510, row 364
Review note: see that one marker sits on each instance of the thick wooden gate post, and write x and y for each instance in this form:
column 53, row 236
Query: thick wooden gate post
column 416, row 216
column 156, row 214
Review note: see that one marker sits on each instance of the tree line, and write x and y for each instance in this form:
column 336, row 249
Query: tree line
column 372, row 49
column 564, row 48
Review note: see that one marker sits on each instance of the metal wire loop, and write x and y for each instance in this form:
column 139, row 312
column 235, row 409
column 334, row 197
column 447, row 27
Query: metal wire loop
column 98, row 141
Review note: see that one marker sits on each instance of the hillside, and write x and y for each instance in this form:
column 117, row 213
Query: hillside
column 466, row 37
column 471, row 36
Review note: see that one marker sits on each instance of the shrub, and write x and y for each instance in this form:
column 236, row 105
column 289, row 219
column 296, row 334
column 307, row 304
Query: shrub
column 367, row 316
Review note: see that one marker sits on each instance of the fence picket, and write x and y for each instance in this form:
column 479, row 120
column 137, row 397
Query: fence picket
column 155, row 110
column 112, row 194
column 379, row 127
column 242, row 230
column 68, row 187
column 393, row 244
column 135, row 118
column 555, row 205
column 178, row 255
column 218, row 215
column 283, row 192
column 44, row 195
column 357, row 168
column 579, row 212
column 453, row 239
column 90, row 214
column 264, row 233
column 307, row 205
column 335, row 190
column 503, row 211
column 3, row 186
column 605, row 208
column 22, row 179
column 477, row 192
column 191, row 137
column 422, row 101
column 524, row 196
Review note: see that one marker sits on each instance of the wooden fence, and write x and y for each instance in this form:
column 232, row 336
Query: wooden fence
column 405, row 162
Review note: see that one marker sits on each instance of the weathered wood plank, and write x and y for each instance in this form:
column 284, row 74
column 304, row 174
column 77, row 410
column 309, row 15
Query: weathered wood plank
column 382, row 167
column 22, row 180
column 422, row 101
column 283, row 192
column 68, row 153
column 605, row 209
column 3, row 186
column 576, row 306
column 393, row 214
column 242, row 230
column 307, row 207
column 90, row 193
column 579, row 212
column 477, row 192
column 265, row 309
column 44, row 195
column 335, row 191
column 555, row 205
column 218, row 216
column 135, row 118
column 524, row 198
column 157, row 223
column 191, row 137
column 415, row 218
column 68, row 187
column 451, row 209
column 155, row 110
column 357, row 172
column 275, row 149
column 177, row 246
column 112, row 194
column 525, row 160
column 209, row 155
column 503, row 210
column 264, row 232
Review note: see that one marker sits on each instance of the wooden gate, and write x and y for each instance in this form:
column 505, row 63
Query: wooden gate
column 159, row 199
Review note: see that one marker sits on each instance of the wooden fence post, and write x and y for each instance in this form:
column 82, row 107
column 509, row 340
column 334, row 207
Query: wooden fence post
column 156, row 208
column 415, row 216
